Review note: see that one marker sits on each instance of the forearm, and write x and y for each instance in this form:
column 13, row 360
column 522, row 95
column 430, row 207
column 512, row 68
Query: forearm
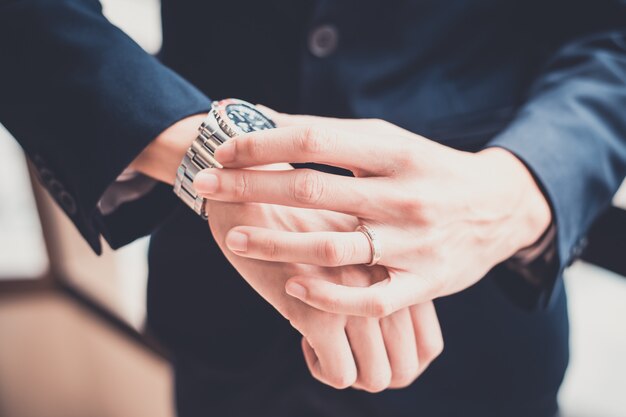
column 98, row 101
column 570, row 134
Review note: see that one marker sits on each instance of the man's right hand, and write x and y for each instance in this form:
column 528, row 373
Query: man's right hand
column 366, row 353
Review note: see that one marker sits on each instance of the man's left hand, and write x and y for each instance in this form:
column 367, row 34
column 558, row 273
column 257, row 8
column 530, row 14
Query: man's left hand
column 443, row 217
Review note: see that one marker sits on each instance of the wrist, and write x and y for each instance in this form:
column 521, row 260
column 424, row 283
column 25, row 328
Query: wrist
column 161, row 158
column 525, row 210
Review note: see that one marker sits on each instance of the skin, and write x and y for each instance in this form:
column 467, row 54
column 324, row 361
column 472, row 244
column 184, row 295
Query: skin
column 340, row 350
column 444, row 217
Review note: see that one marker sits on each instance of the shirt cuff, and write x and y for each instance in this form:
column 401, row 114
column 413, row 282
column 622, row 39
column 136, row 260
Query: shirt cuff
column 129, row 186
column 537, row 263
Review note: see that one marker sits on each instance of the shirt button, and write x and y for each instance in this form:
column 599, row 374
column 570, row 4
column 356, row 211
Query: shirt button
column 323, row 41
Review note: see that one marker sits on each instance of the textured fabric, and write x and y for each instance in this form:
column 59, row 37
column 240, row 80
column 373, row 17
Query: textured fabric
column 574, row 115
column 83, row 100
column 544, row 79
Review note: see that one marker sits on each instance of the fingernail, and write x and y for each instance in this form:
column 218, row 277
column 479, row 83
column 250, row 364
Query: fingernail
column 295, row 290
column 237, row 242
column 206, row 183
column 226, row 151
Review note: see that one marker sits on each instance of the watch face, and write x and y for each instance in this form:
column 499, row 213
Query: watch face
column 243, row 117
column 248, row 119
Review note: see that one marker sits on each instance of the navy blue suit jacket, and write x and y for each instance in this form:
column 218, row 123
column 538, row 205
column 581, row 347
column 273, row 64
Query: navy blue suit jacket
column 544, row 79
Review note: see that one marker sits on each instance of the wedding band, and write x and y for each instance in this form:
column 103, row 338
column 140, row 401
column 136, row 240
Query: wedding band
column 374, row 243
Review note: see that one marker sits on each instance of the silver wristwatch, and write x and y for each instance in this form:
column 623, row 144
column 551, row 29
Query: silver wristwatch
column 227, row 118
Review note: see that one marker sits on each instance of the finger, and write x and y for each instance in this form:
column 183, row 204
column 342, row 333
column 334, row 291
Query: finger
column 336, row 248
column 285, row 120
column 378, row 300
column 329, row 359
column 311, row 359
column 367, row 126
column 315, row 248
column 368, row 348
column 429, row 339
column 302, row 144
column 296, row 187
column 400, row 342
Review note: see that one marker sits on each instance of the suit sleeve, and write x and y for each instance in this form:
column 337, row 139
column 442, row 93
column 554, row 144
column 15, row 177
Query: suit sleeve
column 571, row 134
column 84, row 100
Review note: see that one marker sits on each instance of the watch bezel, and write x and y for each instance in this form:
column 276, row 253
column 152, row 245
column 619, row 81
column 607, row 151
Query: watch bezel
column 220, row 108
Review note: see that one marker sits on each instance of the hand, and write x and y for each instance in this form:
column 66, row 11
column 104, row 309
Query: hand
column 340, row 351
column 443, row 217
column 378, row 354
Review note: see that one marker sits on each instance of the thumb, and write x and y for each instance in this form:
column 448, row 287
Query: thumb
column 378, row 300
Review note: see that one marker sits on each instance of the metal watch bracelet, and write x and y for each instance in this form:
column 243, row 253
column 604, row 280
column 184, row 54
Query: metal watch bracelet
column 227, row 118
column 198, row 157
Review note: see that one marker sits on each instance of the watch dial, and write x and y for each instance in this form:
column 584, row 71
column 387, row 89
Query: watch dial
column 247, row 119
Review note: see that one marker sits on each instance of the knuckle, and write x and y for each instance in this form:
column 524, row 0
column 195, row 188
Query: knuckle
column 327, row 322
column 432, row 349
column 404, row 377
column 308, row 187
column 420, row 209
column 377, row 383
column 270, row 248
column 411, row 157
column 330, row 302
column 410, row 207
column 402, row 383
column 242, row 186
column 309, row 140
column 379, row 306
column 427, row 215
column 331, row 253
column 342, row 380
column 315, row 140
column 251, row 148
column 294, row 322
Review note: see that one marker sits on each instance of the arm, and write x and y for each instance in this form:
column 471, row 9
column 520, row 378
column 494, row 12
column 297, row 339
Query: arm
column 443, row 218
column 565, row 149
column 571, row 134
column 84, row 100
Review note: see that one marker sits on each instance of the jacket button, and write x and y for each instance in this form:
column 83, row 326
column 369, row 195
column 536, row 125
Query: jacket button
column 323, row 41
column 580, row 247
column 577, row 250
column 67, row 202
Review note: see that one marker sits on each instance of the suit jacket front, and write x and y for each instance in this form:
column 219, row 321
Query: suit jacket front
column 542, row 79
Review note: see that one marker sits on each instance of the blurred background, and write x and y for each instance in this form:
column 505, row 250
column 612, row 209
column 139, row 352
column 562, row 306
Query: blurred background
column 72, row 339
